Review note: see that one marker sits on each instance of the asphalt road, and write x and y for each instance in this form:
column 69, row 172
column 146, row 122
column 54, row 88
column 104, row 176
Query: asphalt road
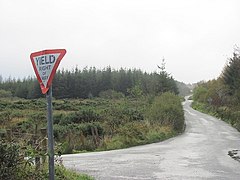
column 199, row 153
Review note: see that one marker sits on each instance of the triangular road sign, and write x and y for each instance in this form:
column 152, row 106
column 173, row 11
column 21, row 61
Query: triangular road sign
column 45, row 64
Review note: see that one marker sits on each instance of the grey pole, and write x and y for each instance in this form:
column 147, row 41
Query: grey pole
column 50, row 134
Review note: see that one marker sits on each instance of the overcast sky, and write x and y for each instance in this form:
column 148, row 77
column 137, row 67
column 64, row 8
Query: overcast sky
column 196, row 37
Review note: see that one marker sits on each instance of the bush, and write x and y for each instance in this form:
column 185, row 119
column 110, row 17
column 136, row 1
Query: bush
column 111, row 94
column 13, row 166
column 117, row 142
column 83, row 116
column 200, row 94
column 236, row 120
column 10, row 160
column 65, row 105
column 159, row 133
column 167, row 110
column 3, row 105
column 133, row 114
column 155, row 136
column 5, row 94
column 133, row 133
column 6, row 116
column 135, row 91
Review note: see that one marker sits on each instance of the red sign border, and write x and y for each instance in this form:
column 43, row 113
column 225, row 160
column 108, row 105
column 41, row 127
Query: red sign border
column 44, row 52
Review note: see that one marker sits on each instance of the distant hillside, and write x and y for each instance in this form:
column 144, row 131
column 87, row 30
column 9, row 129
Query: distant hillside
column 184, row 89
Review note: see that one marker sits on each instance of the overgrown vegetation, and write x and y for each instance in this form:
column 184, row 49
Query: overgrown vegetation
column 221, row 96
column 99, row 123
column 13, row 166
column 93, row 110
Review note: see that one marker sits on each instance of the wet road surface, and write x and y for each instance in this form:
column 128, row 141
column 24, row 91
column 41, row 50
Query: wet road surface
column 199, row 153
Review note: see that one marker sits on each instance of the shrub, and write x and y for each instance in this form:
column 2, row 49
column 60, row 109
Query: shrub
column 5, row 94
column 117, row 142
column 111, row 94
column 10, row 160
column 6, row 116
column 133, row 114
column 83, row 116
column 13, row 166
column 65, row 105
column 200, row 94
column 57, row 117
column 159, row 133
column 3, row 105
column 167, row 110
column 135, row 91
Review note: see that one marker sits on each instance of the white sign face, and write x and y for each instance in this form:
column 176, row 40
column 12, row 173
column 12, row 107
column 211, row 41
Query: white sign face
column 44, row 65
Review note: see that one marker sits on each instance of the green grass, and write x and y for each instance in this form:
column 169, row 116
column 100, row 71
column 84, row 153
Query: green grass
column 65, row 174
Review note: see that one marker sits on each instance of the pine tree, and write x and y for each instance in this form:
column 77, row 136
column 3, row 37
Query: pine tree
column 231, row 73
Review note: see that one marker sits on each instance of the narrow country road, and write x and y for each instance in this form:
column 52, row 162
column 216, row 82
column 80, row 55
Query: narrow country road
column 199, row 153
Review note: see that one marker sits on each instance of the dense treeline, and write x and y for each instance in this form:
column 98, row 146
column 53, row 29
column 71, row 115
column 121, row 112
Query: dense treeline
column 221, row 96
column 90, row 82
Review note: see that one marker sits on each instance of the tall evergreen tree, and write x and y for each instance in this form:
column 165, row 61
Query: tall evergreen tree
column 231, row 72
column 165, row 80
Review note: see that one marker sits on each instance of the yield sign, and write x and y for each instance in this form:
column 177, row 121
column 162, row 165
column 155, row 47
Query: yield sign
column 45, row 64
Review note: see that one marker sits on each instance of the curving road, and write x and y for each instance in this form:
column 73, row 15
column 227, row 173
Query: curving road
column 199, row 153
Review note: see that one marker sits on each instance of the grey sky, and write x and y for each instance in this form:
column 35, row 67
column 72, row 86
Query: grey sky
column 194, row 36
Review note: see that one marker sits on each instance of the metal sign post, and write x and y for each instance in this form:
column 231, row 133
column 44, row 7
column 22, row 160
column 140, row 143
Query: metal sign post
column 45, row 64
column 50, row 134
